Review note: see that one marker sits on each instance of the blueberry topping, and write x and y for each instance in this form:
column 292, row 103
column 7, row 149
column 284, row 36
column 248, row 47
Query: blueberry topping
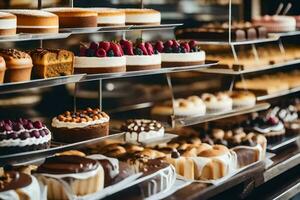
column 176, row 49
column 110, row 53
column 138, row 51
column 90, row 53
column 168, row 50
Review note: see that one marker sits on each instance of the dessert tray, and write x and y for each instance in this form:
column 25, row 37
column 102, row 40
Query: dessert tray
column 286, row 141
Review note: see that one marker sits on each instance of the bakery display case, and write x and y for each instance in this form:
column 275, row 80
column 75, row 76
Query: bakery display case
column 149, row 100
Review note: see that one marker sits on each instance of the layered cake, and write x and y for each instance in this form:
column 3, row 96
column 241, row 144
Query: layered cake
column 140, row 130
column 220, row 102
column 49, row 63
column 82, row 125
column 75, row 17
column 142, row 17
column 8, row 24
column 140, row 56
column 18, row 186
column 102, row 57
column 175, row 54
column 23, row 135
column 297, row 18
column 109, row 17
column 276, row 23
column 2, row 69
column 190, row 106
column 18, row 65
column 242, row 99
column 35, row 21
column 67, row 176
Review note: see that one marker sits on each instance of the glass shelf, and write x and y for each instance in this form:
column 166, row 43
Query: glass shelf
column 30, row 37
column 278, row 94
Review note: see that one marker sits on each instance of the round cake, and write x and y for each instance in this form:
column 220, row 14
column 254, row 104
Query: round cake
column 8, row 24
column 75, row 17
column 35, row 21
column 23, row 135
column 297, row 18
column 82, row 125
column 2, row 69
column 109, row 17
column 276, row 23
column 140, row 130
column 85, row 176
column 102, row 57
column 242, row 99
column 142, row 17
column 180, row 54
column 220, row 102
column 18, row 65
column 15, row 185
column 140, row 56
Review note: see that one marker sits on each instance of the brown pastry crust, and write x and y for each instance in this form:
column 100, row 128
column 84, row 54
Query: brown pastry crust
column 99, row 70
column 181, row 64
column 13, row 181
column 38, row 30
column 142, row 67
column 8, row 32
column 216, row 150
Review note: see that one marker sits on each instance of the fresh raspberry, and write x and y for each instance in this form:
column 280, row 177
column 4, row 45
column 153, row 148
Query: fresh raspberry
column 122, row 42
column 143, row 48
column 175, row 43
column 159, row 46
column 94, row 45
column 192, row 44
column 116, row 49
column 120, row 49
column 186, row 46
column 82, row 51
column 127, row 47
column 149, row 48
column 100, row 53
column 104, row 45
column 168, row 43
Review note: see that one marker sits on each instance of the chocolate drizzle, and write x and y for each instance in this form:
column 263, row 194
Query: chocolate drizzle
column 14, row 180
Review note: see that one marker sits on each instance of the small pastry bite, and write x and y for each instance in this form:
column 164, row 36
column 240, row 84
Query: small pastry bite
column 2, row 69
column 8, row 24
column 102, row 57
column 140, row 55
column 109, row 16
column 276, row 23
column 18, row 65
column 49, row 63
column 75, row 17
column 23, row 135
column 140, row 130
column 67, row 176
column 242, row 99
column 18, row 186
column 179, row 54
column 220, row 102
column 35, row 21
column 82, row 125
column 142, row 16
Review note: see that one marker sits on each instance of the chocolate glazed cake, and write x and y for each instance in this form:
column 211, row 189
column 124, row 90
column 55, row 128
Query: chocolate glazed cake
column 82, row 125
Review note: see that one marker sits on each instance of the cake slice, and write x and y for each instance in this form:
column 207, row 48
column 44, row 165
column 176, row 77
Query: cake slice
column 52, row 62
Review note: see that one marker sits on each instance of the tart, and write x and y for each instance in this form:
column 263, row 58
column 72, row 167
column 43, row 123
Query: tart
column 140, row 56
column 35, row 21
column 140, row 130
column 8, row 24
column 221, row 102
column 109, row 16
column 179, row 54
column 82, row 125
column 75, row 17
column 18, row 65
column 102, row 57
column 49, row 63
column 23, row 135
column 142, row 17
column 2, row 69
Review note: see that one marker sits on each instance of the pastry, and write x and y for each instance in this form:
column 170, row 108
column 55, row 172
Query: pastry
column 276, row 23
column 191, row 106
column 109, row 17
column 102, row 57
column 242, row 99
column 220, row 102
column 142, row 17
column 8, row 24
column 75, row 17
column 23, row 135
column 297, row 18
column 179, row 54
column 67, row 176
column 49, row 63
column 35, row 21
column 18, row 65
column 140, row 56
column 82, row 125
column 2, row 69
column 141, row 130
column 18, row 186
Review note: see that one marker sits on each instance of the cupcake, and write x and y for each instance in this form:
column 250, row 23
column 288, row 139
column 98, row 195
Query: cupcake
column 82, row 125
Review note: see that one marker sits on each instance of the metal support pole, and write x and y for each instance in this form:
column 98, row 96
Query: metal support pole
column 168, row 77
column 255, row 53
column 100, row 94
column 232, row 84
column 229, row 21
column 40, row 4
column 75, row 97
column 142, row 4
column 71, row 3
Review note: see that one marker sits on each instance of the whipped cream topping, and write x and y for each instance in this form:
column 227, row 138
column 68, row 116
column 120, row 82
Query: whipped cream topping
column 277, row 127
column 183, row 57
column 143, row 60
column 8, row 23
column 118, row 19
column 27, row 142
column 144, row 135
column 60, row 124
column 217, row 102
column 95, row 62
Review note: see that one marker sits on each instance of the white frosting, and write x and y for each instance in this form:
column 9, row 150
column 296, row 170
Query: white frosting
column 29, row 141
column 143, row 60
column 245, row 102
column 144, row 135
column 114, row 19
column 113, row 161
column 32, row 191
column 143, row 18
column 278, row 127
column 8, row 23
column 276, row 23
column 60, row 124
column 192, row 108
column 221, row 102
column 37, row 26
column 183, row 57
column 91, row 62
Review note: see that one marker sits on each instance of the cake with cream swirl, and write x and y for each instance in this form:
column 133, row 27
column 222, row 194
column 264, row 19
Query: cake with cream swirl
column 82, row 125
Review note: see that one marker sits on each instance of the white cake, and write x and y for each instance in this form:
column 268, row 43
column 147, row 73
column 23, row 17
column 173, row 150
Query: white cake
column 110, row 17
column 143, row 62
column 142, row 17
column 8, row 24
column 276, row 23
column 220, row 102
column 182, row 59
